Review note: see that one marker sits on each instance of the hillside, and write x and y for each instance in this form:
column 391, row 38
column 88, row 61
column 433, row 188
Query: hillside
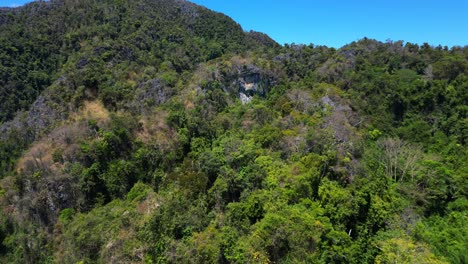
column 160, row 132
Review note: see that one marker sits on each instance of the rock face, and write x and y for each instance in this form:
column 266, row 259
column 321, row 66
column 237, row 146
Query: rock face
column 45, row 112
column 252, row 81
column 244, row 98
column 149, row 94
column 239, row 77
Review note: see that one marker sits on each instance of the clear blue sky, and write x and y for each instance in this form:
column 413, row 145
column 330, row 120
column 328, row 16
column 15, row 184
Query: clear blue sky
column 338, row 22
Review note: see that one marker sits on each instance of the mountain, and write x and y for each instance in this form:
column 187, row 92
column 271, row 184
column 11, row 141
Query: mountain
column 159, row 131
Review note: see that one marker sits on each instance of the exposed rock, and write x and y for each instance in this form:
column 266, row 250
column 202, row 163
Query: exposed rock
column 250, row 81
column 239, row 77
column 244, row 98
column 45, row 112
column 149, row 94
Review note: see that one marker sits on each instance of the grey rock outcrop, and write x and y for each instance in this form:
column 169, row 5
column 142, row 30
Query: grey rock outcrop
column 251, row 81
column 149, row 94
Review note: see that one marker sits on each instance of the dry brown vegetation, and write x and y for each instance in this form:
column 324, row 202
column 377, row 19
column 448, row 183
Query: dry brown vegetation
column 154, row 130
column 61, row 144
column 91, row 110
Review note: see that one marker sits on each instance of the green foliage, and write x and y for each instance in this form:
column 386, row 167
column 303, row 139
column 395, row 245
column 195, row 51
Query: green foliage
column 447, row 235
column 337, row 202
column 66, row 215
column 355, row 155
column 288, row 234
column 95, row 236
column 403, row 250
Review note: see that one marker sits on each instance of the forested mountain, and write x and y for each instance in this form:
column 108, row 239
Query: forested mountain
column 158, row 131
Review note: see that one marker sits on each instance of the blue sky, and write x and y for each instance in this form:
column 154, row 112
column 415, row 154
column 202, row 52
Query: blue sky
column 336, row 23
column 12, row 3
column 339, row 22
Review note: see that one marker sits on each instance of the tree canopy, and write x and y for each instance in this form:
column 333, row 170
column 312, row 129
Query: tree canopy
column 160, row 132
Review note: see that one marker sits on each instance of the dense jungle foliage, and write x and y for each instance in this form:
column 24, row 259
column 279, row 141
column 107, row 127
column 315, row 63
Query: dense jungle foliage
column 158, row 131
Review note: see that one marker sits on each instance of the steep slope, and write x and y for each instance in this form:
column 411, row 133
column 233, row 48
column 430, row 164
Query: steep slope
column 81, row 49
column 159, row 131
column 39, row 38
